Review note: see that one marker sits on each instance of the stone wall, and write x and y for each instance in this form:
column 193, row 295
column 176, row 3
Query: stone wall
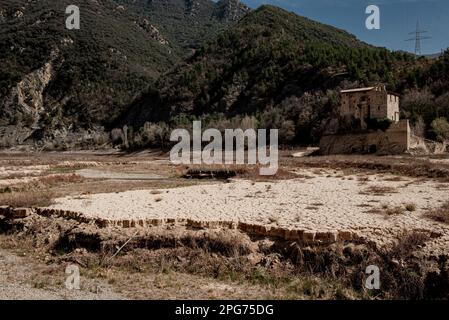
column 393, row 107
column 374, row 104
column 395, row 140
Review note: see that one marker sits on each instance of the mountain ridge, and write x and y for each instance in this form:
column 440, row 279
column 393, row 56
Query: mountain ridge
column 269, row 69
column 122, row 46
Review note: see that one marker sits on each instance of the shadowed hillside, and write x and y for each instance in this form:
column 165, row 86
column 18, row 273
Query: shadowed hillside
column 58, row 79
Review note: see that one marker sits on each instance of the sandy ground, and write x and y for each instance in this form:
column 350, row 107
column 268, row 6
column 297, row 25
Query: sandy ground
column 315, row 201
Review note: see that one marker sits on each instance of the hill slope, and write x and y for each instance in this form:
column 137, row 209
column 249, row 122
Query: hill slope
column 54, row 78
column 279, row 68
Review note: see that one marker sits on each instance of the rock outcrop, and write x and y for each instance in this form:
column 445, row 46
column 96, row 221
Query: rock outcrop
column 25, row 103
column 230, row 10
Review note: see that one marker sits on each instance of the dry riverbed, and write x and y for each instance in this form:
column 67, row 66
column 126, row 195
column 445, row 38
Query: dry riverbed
column 380, row 201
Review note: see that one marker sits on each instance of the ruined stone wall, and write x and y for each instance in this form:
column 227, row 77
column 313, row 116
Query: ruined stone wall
column 374, row 104
column 345, row 108
column 350, row 103
column 378, row 103
column 395, row 140
column 392, row 107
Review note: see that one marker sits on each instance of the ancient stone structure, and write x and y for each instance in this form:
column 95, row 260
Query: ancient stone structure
column 369, row 103
column 363, row 105
column 395, row 140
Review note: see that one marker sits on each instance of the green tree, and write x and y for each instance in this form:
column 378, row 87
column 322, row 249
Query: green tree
column 440, row 127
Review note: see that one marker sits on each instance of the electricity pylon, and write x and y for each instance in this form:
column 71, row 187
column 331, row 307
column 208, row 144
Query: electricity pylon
column 418, row 38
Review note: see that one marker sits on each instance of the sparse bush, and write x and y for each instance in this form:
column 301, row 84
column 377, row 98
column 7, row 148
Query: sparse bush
column 410, row 207
column 55, row 179
column 440, row 215
column 30, row 198
column 440, row 127
column 6, row 190
column 393, row 211
column 117, row 137
column 379, row 190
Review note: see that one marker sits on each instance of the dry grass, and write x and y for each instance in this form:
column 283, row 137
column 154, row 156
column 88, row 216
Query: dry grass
column 32, row 198
column 5, row 190
column 387, row 210
column 363, row 179
column 395, row 211
column 288, row 270
column 273, row 219
column 394, row 179
column 249, row 172
column 379, row 190
column 440, row 215
column 61, row 178
column 419, row 167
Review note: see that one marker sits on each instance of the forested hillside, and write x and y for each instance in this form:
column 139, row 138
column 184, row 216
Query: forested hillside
column 156, row 65
column 275, row 69
column 58, row 79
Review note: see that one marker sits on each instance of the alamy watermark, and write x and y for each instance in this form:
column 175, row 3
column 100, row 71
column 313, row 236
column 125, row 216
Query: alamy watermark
column 373, row 20
column 189, row 149
column 372, row 281
column 73, row 20
column 72, row 282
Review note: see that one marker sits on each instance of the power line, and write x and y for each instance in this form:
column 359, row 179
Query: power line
column 418, row 38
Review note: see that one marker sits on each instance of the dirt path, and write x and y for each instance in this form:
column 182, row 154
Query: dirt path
column 23, row 278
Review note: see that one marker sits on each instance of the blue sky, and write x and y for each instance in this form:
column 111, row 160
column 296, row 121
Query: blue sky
column 398, row 18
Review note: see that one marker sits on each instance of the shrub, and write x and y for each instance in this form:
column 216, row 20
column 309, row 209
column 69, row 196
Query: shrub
column 117, row 137
column 441, row 214
column 30, row 198
column 440, row 127
column 410, row 207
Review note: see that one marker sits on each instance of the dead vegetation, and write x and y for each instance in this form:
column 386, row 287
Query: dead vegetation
column 439, row 215
column 38, row 192
column 378, row 190
column 388, row 210
column 224, row 172
column 411, row 207
column 404, row 166
column 28, row 199
column 57, row 179
column 289, row 270
column 395, row 211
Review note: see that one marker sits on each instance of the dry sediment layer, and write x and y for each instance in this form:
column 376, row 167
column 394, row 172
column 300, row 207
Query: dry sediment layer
column 305, row 236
